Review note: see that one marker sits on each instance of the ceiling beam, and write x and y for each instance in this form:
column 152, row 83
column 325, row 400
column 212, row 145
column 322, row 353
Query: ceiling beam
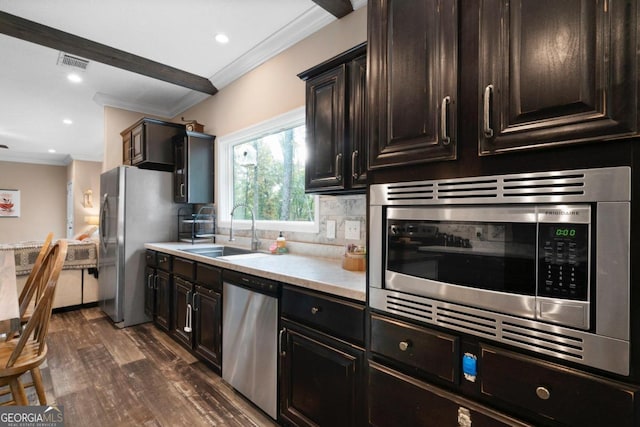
column 33, row 32
column 337, row 8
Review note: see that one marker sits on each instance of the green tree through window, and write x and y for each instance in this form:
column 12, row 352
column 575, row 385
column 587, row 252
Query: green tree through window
column 268, row 175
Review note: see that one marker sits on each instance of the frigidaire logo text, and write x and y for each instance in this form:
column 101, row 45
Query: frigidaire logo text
column 561, row 213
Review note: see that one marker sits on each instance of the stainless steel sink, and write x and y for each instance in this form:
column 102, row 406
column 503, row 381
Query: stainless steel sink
column 217, row 251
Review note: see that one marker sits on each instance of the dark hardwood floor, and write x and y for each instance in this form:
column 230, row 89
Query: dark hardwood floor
column 137, row 376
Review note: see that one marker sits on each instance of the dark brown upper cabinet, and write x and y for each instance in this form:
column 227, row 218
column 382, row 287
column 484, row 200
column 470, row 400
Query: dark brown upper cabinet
column 193, row 176
column 556, row 72
column 335, row 124
column 413, row 81
column 148, row 144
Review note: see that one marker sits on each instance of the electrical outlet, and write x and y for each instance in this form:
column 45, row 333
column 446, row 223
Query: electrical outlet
column 331, row 229
column 352, row 230
column 479, row 233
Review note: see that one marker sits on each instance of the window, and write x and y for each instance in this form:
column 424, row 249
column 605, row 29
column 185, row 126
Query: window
column 263, row 167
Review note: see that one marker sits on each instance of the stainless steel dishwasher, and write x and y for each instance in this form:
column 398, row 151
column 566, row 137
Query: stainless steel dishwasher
column 249, row 338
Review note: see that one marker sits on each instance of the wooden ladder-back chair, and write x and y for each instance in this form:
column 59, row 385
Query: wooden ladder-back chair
column 27, row 352
column 32, row 289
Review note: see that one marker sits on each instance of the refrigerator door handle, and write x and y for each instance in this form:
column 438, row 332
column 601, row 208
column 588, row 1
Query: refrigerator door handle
column 103, row 224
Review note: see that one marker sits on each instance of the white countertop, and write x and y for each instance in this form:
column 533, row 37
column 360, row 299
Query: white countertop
column 320, row 274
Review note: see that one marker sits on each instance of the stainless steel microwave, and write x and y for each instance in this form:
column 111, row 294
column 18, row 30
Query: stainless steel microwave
column 537, row 260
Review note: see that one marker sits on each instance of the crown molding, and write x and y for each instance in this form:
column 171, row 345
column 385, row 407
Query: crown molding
column 306, row 24
column 36, row 158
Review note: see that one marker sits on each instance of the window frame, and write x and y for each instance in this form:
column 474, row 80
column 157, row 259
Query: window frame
column 224, row 184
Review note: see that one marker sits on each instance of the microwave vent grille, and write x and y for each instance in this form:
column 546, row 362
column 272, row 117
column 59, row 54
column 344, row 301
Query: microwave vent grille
column 542, row 186
column 418, row 191
column 417, row 310
column 521, row 333
column 532, row 187
column 469, row 322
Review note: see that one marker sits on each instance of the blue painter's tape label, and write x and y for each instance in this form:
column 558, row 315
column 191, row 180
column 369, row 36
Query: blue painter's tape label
column 470, row 366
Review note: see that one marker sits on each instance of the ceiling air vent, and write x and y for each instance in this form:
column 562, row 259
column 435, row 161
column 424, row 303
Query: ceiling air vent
column 66, row 60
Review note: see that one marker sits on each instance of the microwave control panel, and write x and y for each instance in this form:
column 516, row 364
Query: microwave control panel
column 563, row 261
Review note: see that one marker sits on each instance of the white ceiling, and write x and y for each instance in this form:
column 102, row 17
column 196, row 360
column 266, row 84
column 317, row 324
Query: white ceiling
column 35, row 95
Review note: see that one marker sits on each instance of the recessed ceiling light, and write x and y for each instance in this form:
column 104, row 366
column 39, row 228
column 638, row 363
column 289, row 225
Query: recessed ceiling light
column 51, row 150
column 67, row 121
column 222, row 38
column 74, row 78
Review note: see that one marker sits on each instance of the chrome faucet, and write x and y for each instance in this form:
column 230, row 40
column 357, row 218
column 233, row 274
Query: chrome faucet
column 254, row 239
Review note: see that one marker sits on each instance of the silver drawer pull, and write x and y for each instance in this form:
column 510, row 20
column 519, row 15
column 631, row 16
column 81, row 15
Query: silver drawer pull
column 488, row 131
column 315, row 310
column 444, row 122
column 543, row 393
column 404, row 345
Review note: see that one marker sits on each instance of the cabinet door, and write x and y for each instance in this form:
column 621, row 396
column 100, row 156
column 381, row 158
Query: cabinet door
column 321, row 380
column 357, row 122
column 554, row 72
column 149, row 291
column 412, row 81
column 208, row 325
column 182, row 311
column 325, row 122
column 137, row 144
column 126, row 148
column 163, row 308
column 398, row 400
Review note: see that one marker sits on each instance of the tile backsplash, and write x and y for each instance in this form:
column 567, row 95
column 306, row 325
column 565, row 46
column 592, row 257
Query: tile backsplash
column 332, row 208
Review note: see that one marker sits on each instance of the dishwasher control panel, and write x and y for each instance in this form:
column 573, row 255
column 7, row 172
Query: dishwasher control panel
column 258, row 284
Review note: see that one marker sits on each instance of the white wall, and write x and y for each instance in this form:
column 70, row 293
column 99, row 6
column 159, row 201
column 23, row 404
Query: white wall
column 43, row 199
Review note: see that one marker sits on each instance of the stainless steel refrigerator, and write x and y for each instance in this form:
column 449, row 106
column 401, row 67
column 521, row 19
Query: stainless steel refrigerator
column 136, row 207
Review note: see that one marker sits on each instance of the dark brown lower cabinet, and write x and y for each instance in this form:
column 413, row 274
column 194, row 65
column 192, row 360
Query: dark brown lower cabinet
column 182, row 310
column 321, row 379
column 162, row 316
column 207, row 322
column 396, row 399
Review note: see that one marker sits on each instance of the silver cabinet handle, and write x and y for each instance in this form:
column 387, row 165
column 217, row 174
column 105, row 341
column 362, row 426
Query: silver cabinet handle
column 338, row 167
column 182, row 190
column 444, row 122
column 354, row 172
column 187, row 327
column 282, row 352
column 155, row 281
column 404, row 345
column 543, row 393
column 149, row 284
column 488, row 132
column 315, row 310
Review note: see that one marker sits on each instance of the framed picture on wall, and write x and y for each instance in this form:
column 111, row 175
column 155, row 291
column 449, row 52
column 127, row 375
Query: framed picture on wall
column 9, row 203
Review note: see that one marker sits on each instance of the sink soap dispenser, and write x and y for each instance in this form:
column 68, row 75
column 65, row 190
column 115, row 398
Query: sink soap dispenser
column 280, row 246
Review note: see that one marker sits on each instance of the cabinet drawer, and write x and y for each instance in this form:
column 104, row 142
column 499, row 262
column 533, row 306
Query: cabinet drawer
column 209, row 276
column 163, row 261
column 430, row 351
column 150, row 258
column 556, row 392
column 184, row 268
column 398, row 400
column 336, row 317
